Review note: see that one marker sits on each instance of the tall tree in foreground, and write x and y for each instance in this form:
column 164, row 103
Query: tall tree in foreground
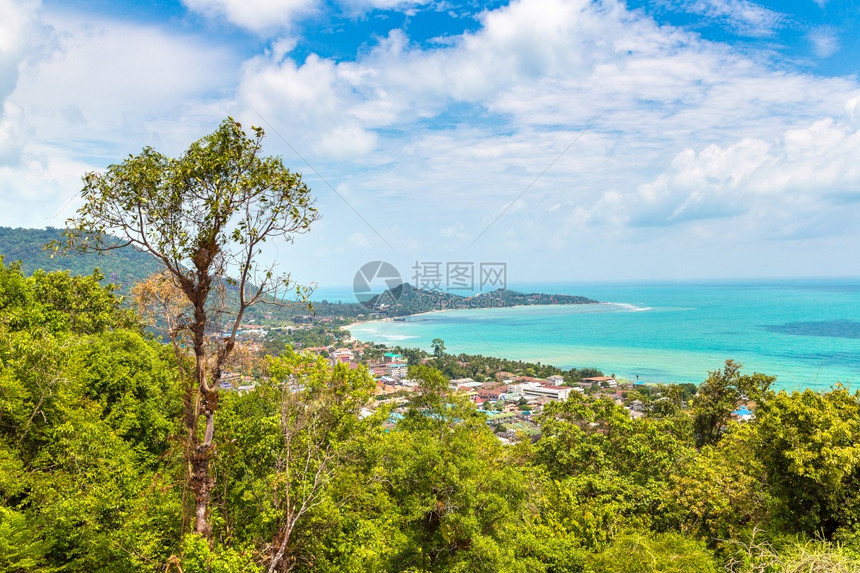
column 204, row 216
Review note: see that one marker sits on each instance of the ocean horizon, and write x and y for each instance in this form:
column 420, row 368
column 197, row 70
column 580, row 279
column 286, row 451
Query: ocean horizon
column 804, row 331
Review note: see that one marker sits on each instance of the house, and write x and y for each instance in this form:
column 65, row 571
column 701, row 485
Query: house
column 607, row 381
column 555, row 380
column 459, row 383
column 398, row 369
column 491, row 391
column 343, row 355
column 392, row 357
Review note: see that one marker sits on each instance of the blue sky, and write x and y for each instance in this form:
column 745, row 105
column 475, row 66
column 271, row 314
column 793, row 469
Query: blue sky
column 573, row 140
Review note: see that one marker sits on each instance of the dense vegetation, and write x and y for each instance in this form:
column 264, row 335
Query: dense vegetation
column 123, row 267
column 483, row 368
column 92, row 475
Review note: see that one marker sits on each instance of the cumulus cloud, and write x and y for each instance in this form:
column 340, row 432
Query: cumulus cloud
column 101, row 89
column 508, row 98
column 22, row 41
column 606, row 119
column 805, row 172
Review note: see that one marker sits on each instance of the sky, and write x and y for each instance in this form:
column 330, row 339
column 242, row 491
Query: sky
column 569, row 140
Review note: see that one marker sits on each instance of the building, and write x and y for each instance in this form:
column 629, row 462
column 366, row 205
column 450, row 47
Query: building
column 392, row 357
column 491, row 391
column 398, row 369
column 607, row 381
column 456, row 383
column 342, row 355
column 534, row 390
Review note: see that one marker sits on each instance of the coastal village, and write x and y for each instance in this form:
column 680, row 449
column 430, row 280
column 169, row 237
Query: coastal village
column 510, row 401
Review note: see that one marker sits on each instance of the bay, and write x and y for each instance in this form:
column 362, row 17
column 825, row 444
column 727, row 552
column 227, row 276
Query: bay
column 806, row 332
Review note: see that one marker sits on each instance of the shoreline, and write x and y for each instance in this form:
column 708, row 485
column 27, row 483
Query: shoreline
column 613, row 344
column 441, row 310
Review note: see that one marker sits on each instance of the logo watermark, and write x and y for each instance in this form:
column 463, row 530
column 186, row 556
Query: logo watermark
column 377, row 284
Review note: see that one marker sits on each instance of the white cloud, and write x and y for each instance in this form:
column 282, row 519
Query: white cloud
column 802, row 175
column 262, row 16
column 358, row 240
column 95, row 90
column 825, row 42
column 22, row 41
column 20, row 34
column 357, row 7
column 744, row 17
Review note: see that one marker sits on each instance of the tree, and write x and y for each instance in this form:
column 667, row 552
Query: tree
column 809, row 444
column 204, row 216
column 438, row 347
column 87, row 407
column 285, row 443
column 719, row 396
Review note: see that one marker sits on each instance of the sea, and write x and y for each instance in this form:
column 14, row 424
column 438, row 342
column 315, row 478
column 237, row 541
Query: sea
column 804, row 332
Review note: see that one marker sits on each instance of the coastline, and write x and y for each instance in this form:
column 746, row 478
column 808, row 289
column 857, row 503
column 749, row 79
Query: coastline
column 666, row 333
column 351, row 325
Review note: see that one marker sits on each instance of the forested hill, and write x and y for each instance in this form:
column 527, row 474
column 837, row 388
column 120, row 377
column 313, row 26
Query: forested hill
column 123, row 267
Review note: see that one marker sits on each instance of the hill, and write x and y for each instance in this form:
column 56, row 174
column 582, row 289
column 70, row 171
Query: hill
column 123, row 267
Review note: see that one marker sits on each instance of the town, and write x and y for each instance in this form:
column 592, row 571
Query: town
column 511, row 395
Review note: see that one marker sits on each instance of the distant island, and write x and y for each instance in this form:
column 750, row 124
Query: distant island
column 406, row 300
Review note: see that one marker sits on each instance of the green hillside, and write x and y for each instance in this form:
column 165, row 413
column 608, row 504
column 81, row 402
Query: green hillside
column 123, row 267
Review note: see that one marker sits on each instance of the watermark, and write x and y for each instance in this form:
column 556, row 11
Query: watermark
column 377, row 284
column 460, row 276
column 437, row 285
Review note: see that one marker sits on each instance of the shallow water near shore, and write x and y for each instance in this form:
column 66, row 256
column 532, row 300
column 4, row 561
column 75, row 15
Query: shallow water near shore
column 806, row 332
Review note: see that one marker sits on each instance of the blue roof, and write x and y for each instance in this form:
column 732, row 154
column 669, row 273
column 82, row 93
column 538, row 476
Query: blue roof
column 742, row 411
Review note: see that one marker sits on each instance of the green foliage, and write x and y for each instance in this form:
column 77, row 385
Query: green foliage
column 21, row 549
column 653, row 553
column 92, row 470
column 85, row 410
column 609, row 471
column 719, row 396
column 285, row 443
column 198, row 557
column 438, row 347
column 456, row 498
column 810, row 444
column 722, row 493
column 122, row 267
column 481, row 367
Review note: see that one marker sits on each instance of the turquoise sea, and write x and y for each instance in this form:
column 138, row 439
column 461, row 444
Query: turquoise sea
column 806, row 332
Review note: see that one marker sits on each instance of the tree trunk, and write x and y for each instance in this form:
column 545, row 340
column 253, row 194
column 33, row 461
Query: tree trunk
column 205, row 405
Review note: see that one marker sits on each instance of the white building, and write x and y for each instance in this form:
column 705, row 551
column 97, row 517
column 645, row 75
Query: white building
column 533, row 390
